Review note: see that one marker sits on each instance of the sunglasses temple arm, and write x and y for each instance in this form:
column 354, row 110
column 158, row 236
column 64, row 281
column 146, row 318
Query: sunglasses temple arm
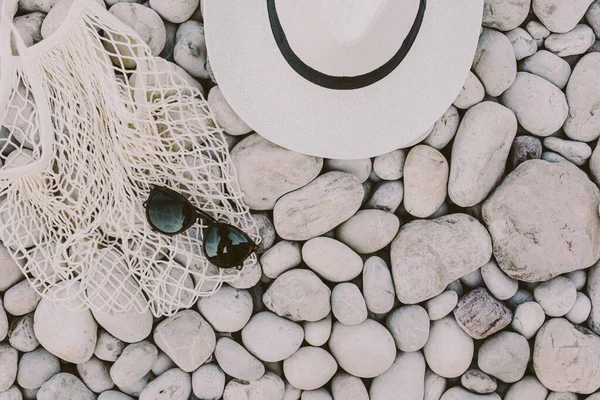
column 205, row 216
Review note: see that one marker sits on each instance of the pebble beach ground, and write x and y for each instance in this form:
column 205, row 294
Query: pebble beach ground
column 463, row 268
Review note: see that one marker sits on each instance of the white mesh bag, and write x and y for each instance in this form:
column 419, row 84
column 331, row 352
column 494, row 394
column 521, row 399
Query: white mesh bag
column 90, row 121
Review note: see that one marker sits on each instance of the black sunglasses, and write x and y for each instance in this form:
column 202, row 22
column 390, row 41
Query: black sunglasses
column 170, row 213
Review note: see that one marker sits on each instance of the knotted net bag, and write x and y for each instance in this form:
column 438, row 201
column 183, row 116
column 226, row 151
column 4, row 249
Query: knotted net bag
column 90, row 121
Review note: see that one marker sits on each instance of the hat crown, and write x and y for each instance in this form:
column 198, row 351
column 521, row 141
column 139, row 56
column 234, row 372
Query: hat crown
column 349, row 21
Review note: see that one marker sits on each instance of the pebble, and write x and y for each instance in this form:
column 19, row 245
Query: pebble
column 319, row 394
column 318, row 207
column 21, row 334
column 537, row 31
column 527, row 388
column 208, row 382
column 435, row 386
column 21, row 299
column 472, row 279
column 441, row 305
column 406, row 376
column 583, row 97
column 578, row 277
column 494, row 62
column 10, row 273
column 556, row 296
column 224, row 114
column 458, row 393
column 528, row 319
column 331, row 259
column 8, row 366
column 527, row 245
column 390, row 166
column 524, row 148
column 299, row 295
column 56, row 16
column 365, row 350
column 553, row 157
column 176, row 11
column 190, row 49
column 478, row 382
column 348, row 305
column 449, row 350
column 108, row 347
column 480, row 315
column 480, row 152
column 163, row 363
column 560, row 15
column 36, row 367
column 387, row 196
column 309, row 368
column 576, row 152
column 429, row 254
column 316, row 333
column 522, row 42
column 146, row 23
column 11, row 394
column 236, row 361
column 174, row 384
column 266, row 231
column 361, row 168
column 228, row 310
column 249, row 276
column 64, row 386
column 562, row 396
column 346, row 386
column 581, row 310
column 378, row 286
column 505, row 15
column 369, row 231
column 134, row 363
column 445, row 128
column 29, row 27
column 593, row 17
column 504, row 356
column 548, row 66
column 270, row 386
column 470, row 94
column 186, row 338
column 95, row 374
column 500, row 285
column 541, row 108
column 136, row 388
column 409, row 326
column 271, row 338
column 574, row 42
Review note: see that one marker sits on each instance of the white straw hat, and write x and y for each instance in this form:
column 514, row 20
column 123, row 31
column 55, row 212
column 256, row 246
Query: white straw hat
column 341, row 79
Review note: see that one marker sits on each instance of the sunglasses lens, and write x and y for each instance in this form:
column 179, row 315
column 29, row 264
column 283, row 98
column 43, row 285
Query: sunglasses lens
column 226, row 246
column 169, row 213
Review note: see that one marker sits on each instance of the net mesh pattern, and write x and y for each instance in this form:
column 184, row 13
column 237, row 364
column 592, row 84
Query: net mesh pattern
column 121, row 121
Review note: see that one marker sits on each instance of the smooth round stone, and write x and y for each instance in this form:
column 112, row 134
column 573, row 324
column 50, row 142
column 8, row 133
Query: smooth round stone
column 318, row 207
column 560, row 15
column 346, row 386
column 332, row 259
column 441, row 305
column 309, row 368
column 524, row 148
column 271, row 338
column 592, row 16
column 95, row 374
column 498, row 283
column 347, row 304
column 228, row 310
column 576, row 152
column 449, row 350
column 128, row 326
column 409, row 326
column 445, row 128
column 458, row 393
column 361, row 168
column 249, row 277
column 365, row 350
column 473, row 279
column 21, row 299
column 113, row 395
column 472, row 93
column 11, row 394
column 224, row 114
column 548, row 66
column 8, row 366
column 145, row 22
column 3, row 322
column 505, row 15
column 29, row 27
column 522, row 42
column 390, row 166
column 369, row 231
column 163, row 364
column 280, row 258
column 583, row 97
column 10, row 273
column 527, row 388
column 528, row 318
column 208, row 382
column 319, row 394
column 236, row 361
column 174, row 384
column 522, row 296
column 480, row 152
column 578, row 277
column 266, row 231
column 64, row 386
column 316, row 333
column 427, row 255
column 36, row 367
column 134, row 363
column 504, row 356
column 425, row 180
column 516, row 215
column 176, row 11
column 556, row 296
column 435, row 386
column 494, row 62
column 480, row 314
column 136, row 388
column 574, row 42
column 387, row 196
column 541, row 108
column 190, row 49
column 299, row 295
column 108, row 347
column 378, row 286
column 537, row 31
column 479, row 382
column 270, row 386
column 581, row 310
column 186, row 338
column 21, row 334
column 406, row 376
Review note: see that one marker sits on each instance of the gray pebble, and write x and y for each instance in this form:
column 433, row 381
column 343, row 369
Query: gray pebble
column 480, row 315
column 36, row 367
column 524, row 148
column 576, row 152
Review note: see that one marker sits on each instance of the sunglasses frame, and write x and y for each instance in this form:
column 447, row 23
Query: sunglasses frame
column 199, row 215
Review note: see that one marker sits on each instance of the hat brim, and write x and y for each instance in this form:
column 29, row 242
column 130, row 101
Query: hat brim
column 296, row 114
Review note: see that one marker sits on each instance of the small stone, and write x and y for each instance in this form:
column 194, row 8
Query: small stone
column 10, row 273
column 174, row 384
column 146, row 23
column 553, row 157
column 441, row 305
column 346, row 386
column 176, row 11
column 224, row 114
column 445, row 128
column 576, row 152
column 473, row 279
column 522, row 42
column 458, row 393
column 331, row 259
column 527, row 388
column 562, row 396
column 390, row 166
column 64, row 386
column 524, row 148
column 266, row 232
column 309, row 368
column 35, row 5
column 522, row 296
column 11, row 394
column 318, row 207
column 347, row 304
column 581, row 310
column 480, row 315
column 21, row 334
column 236, row 361
column 95, row 374
column 449, row 350
column 409, row 326
column 504, row 356
column 29, row 27
column 369, row 231
column 478, row 381
column 319, row 394
column 574, row 42
column 435, row 386
column 208, row 382
column 593, row 17
column 280, row 258
column 36, row 367
column 365, row 350
column 505, row 15
column 556, row 296
column 8, row 366
column 583, row 97
column 406, row 376
column 387, row 196
column 108, row 347
column 190, row 49
column 378, row 286
column 560, row 15
column 270, row 386
column 136, row 388
column 494, row 62
column 537, row 31
column 548, row 66
column 228, row 310
column 578, row 277
column 249, row 277
column 21, row 299
column 316, row 333
column 471, row 93
column 361, row 168
column 167, row 52
column 271, row 338
column 134, row 363
column 528, row 318
column 498, row 283
column 163, row 364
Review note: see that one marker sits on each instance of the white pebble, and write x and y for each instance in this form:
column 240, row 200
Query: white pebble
column 236, row 361
column 134, row 363
column 292, row 393
column 309, row 368
column 471, row 93
column 21, row 335
column 578, row 277
column 527, row 388
column 361, row 168
column 409, row 326
column 10, row 273
column 270, row 386
column 36, row 367
column 249, row 277
column 441, row 305
column 435, row 386
column 108, row 347
column 190, row 49
column 208, row 382
column 564, row 396
column 319, row 394
column 163, row 363
column 224, row 114
column 581, row 310
column 8, row 366
column 346, row 386
column 473, row 279
column 271, row 338
column 146, row 23
column 576, row 152
column 3, row 322
column 528, row 319
column 316, row 333
column 548, row 66
column 21, row 299
column 459, row 393
column 57, row 15
column 136, row 388
column 505, row 15
column 553, row 157
column 176, row 11
column 174, row 384
column 574, row 42
column 13, row 394
column 95, row 374
column 449, row 350
column 347, row 304
column 522, row 42
column 537, row 31
column 64, row 386
column 228, row 310
column 390, row 166
column 406, row 376
column 494, row 62
column 369, row 231
column 556, row 296
column 332, row 259
column 504, row 356
column 498, row 283
column 560, row 15
column 280, row 258
column 378, row 287
column 444, row 129
column 387, row 196
column 583, row 98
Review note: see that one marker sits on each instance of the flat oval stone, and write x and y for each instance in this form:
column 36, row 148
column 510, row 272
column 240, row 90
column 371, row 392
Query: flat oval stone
column 176, row 11
column 435, row 385
column 583, row 97
column 10, row 273
column 21, row 299
column 574, row 42
column 386, row 196
column 347, row 304
column 236, row 361
column 527, row 388
column 271, row 338
column 522, row 42
column 449, row 350
column 21, row 334
column 425, row 181
column 309, row 368
column 378, row 286
column 108, row 347
column 548, row 66
column 317, row 333
column 332, row 259
column 228, row 310
column 471, row 93
column 445, row 128
column 441, row 305
column 270, row 386
column 494, row 62
column 224, row 114
column 64, row 386
column 36, row 367
column 556, row 296
column 504, row 356
column 361, row 168
column 390, row 166
column 208, row 382
column 479, row 382
column 369, row 231
column 576, row 152
column 498, row 283
column 282, row 257
column 134, row 363
column 346, row 386
column 409, row 326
